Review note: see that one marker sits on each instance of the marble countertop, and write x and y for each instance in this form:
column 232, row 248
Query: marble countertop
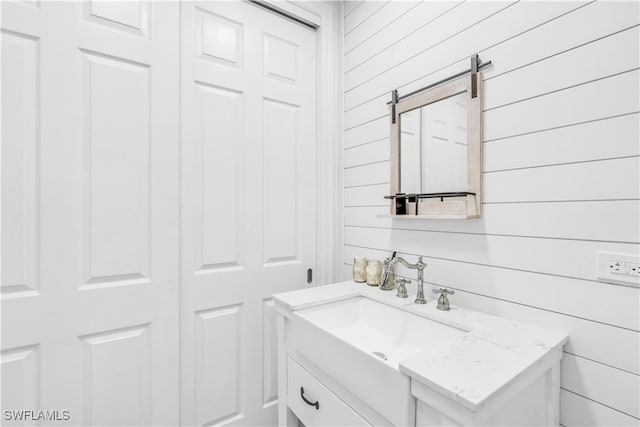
column 469, row 369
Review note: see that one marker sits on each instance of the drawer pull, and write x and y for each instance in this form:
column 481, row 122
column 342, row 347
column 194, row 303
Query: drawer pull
column 316, row 403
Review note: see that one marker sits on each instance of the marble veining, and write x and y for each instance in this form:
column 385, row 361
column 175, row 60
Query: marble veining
column 469, row 369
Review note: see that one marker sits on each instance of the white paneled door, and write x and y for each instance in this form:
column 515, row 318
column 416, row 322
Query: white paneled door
column 139, row 260
column 89, row 212
column 248, row 191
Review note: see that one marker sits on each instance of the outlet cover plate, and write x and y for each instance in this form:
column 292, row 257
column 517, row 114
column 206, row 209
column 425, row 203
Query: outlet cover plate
column 607, row 273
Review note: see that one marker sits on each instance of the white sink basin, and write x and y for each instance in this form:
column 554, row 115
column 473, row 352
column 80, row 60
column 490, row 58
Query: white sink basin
column 389, row 333
column 359, row 342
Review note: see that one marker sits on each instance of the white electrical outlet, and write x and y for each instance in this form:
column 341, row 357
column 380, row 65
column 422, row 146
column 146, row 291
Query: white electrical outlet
column 618, row 268
column 633, row 269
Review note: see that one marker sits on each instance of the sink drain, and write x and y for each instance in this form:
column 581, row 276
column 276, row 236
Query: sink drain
column 380, row 355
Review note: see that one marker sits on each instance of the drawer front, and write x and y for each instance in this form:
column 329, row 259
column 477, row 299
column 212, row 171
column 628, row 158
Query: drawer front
column 330, row 410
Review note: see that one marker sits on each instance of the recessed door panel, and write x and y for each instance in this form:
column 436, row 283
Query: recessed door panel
column 219, row 39
column 20, row 379
column 217, row 361
column 280, row 58
column 129, row 16
column 20, row 159
column 219, row 165
column 280, row 191
column 117, row 377
column 117, row 169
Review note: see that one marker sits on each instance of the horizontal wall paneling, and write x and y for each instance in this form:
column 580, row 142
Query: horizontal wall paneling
column 561, row 173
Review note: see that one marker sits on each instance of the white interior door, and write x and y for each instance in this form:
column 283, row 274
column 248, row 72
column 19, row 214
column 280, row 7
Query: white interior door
column 247, row 202
column 89, row 210
column 444, row 142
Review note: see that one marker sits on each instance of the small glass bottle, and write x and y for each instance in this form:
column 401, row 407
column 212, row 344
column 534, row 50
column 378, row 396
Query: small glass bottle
column 373, row 272
column 359, row 266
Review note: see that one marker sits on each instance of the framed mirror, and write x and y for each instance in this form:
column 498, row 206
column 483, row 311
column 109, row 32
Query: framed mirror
column 436, row 151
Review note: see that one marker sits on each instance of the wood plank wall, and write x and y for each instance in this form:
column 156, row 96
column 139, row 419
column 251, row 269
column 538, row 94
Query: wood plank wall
column 561, row 172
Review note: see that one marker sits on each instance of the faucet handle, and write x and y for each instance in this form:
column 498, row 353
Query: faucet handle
column 402, row 289
column 443, row 301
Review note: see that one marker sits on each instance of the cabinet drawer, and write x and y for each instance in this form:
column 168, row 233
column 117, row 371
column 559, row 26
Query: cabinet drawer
column 330, row 411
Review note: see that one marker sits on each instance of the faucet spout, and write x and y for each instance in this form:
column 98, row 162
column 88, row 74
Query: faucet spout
column 420, row 299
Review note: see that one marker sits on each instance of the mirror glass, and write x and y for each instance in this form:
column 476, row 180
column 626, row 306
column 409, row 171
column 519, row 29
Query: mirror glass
column 433, row 147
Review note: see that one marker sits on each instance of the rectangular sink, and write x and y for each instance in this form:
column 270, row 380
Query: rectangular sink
column 387, row 332
column 359, row 342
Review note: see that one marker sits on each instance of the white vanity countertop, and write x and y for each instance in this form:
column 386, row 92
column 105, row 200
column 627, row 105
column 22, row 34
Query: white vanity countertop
column 470, row 369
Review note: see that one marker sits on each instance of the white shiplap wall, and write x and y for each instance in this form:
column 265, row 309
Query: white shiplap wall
column 561, row 172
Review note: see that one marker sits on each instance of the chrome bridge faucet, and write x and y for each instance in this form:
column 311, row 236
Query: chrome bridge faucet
column 417, row 266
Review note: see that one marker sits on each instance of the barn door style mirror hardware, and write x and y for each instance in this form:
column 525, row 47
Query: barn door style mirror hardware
column 436, row 148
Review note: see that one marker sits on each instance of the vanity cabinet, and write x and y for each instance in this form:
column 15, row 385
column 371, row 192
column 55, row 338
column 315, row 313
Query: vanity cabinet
column 530, row 401
column 485, row 370
column 303, row 390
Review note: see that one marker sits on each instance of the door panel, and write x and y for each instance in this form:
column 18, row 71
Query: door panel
column 21, row 384
column 221, row 38
column 217, row 210
column 247, row 202
column 132, row 17
column 279, row 183
column 90, row 192
column 217, row 362
column 20, row 153
column 116, row 211
column 117, row 377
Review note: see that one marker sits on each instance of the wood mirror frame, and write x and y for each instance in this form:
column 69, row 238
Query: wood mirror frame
column 465, row 206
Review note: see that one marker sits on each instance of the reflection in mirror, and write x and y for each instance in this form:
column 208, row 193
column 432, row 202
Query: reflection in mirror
column 433, row 147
